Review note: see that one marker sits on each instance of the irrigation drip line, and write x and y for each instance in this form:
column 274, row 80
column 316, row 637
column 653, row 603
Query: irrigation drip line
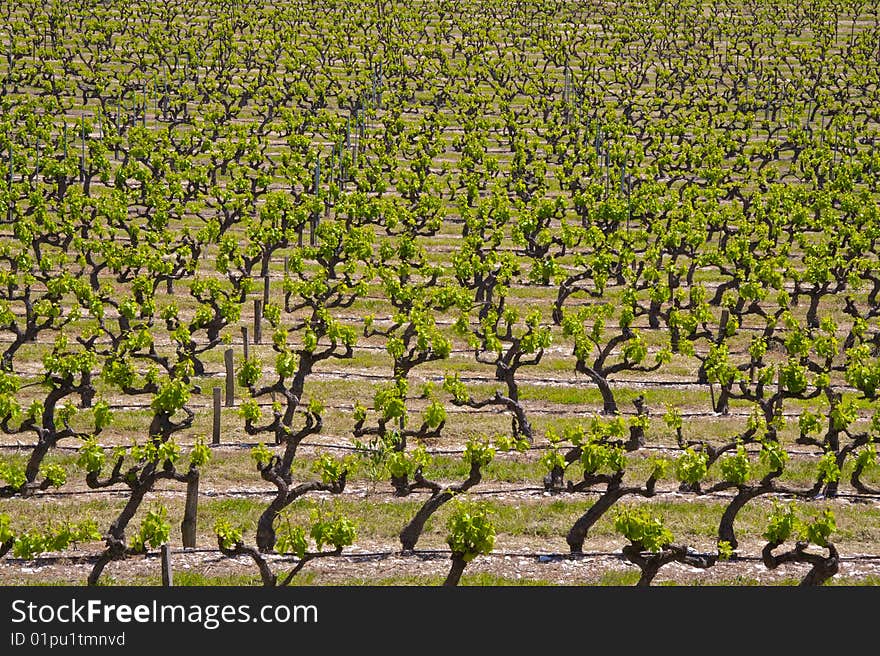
column 421, row 554
column 541, row 447
column 536, row 490
column 585, row 383
column 458, row 452
column 370, row 451
column 341, row 374
column 569, row 410
column 510, row 491
column 572, row 410
column 452, row 410
column 433, row 452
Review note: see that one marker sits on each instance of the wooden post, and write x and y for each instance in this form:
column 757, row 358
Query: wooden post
column 215, row 432
column 230, row 378
column 264, row 265
column 258, row 320
column 333, row 173
column 118, row 133
column 167, row 575
column 82, row 164
column 317, row 182
column 354, row 146
column 191, row 509
column 244, row 342
column 11, row 217
column 722, row 327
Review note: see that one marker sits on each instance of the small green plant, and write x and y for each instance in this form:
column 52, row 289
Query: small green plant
column 553, row 458
column 725, row 550
column 844, row 413
column 784, row 524
column 736, row 468
column 808, row 423
column 773, row 455
column 511, row 443
column 292, row 540
column 172, row 396
column 331, row 469
column 54, row 474
column 691, row 466
column 249, row 373
column 13, row 473
column 30, row 544
column 336, row 531
column 200, row 454
column 596, row 456
column 435, row 414
column 828, row 469
column 154, row 531
column 456, row 388
column 390, row 401
column 91, row 456
column 229, row 535
column 479, row 452
column 820, row 529
column 659, row 467
column 401, row 464
column 867, row 456
column 261, row 454
column 674, row 421
column 470, row 530
column 249, row 410
column 103, row 415
column 642, row 528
